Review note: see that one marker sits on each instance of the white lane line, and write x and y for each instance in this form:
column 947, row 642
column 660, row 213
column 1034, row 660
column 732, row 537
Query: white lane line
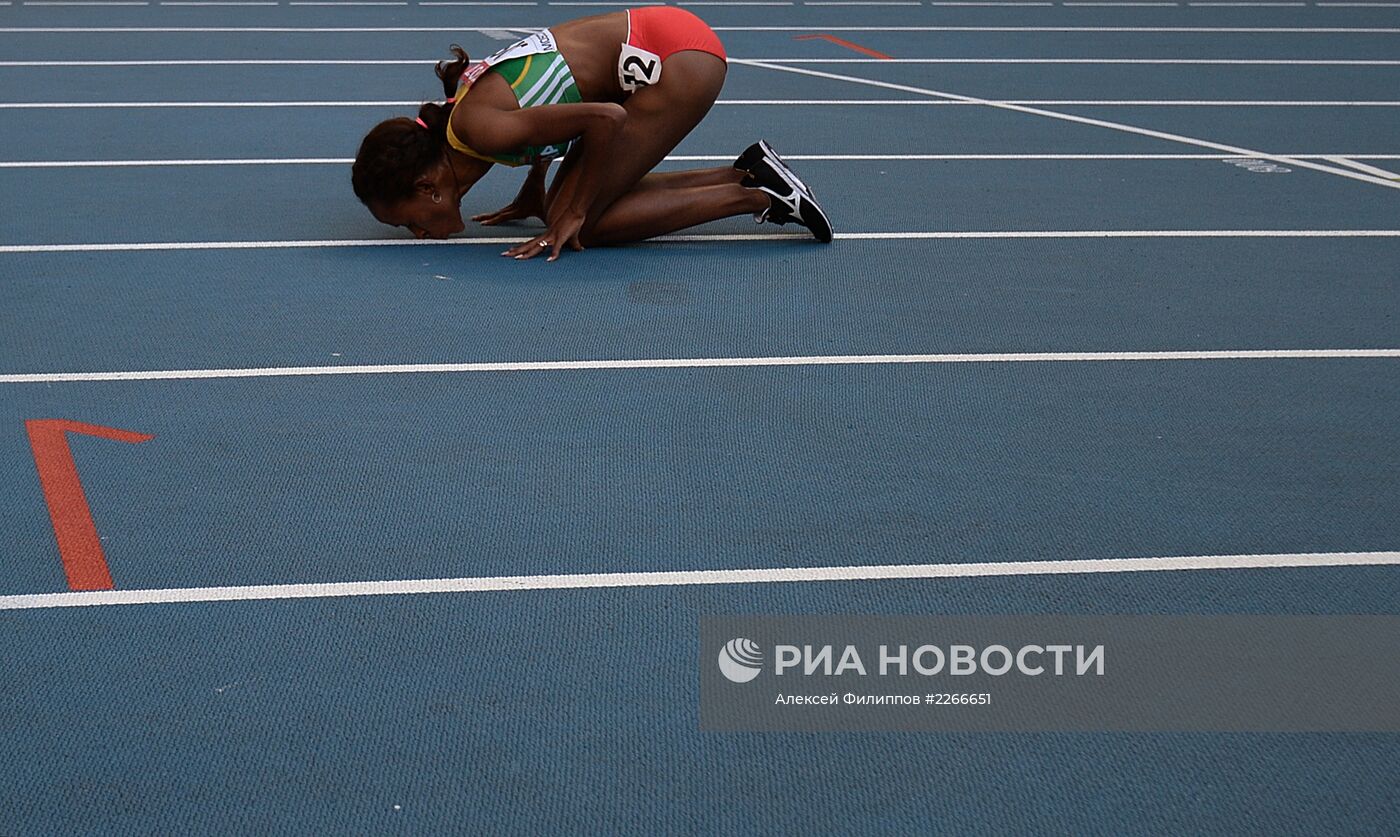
column 86, row 3
column 252, row 161
column 292, row 62
column 696, row 363
column 1297, row 103
column 1266, row 30
column 346, row 3
column 691, row 158
column 989, row 4
column 1243, row 103
column 930, row 235
column 1378, row 172
column 1250, row 5
column 215, row 62
column 834, row 157
column 862, row 3
column 1128, row 5
column 218, row 2
column 288, row 104
column 1359, row 5
column 1098, row 123
column 1285, row 62
column 461, row 3
column 688, row 158
column 341, row 103
column 969, row 101
column 683, row 578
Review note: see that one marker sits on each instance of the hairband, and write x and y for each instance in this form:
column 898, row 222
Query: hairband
column 420, row 121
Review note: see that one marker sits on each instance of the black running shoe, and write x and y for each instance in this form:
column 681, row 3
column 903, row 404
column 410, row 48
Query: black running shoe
column 761, row 150
column 789, row 198
column 751, row 155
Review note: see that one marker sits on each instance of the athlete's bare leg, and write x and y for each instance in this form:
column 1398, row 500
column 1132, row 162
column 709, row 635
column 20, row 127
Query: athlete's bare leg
column 647, row 212
column 636, row 203
column 658, row 118
column 664, row 202
column 690, row 177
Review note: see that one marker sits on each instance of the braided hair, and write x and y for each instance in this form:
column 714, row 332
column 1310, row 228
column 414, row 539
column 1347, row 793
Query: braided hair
column 397, row 152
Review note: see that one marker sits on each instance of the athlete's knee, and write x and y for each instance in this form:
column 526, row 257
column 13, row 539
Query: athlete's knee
column 589, row 237
column 588, row 234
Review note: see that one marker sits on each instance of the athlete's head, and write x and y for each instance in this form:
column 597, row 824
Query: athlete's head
column 402, row 171
column 403, row 175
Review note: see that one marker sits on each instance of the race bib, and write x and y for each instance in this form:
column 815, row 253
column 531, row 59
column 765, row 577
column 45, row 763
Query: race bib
column 532, row 44
column 637, row 68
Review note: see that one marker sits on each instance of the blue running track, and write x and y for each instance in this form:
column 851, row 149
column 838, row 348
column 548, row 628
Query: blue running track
column 181, row 260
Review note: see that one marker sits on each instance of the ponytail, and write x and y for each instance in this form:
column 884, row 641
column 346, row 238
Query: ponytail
column 450, row 72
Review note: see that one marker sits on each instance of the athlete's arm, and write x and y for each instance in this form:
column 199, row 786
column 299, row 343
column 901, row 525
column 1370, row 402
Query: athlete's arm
column 494, row 131
column 594, row 124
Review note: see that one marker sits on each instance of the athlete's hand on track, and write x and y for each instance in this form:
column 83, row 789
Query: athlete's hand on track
column 513, row 212
column 563, row 231
column 529, row 203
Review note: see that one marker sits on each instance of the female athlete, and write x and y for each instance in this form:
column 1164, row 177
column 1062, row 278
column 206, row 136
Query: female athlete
column 612, row 95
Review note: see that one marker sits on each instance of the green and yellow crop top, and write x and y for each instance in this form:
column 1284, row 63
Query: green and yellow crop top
column 539, row 75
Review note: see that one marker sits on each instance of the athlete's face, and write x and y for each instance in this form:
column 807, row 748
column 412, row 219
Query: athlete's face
column 434, row 210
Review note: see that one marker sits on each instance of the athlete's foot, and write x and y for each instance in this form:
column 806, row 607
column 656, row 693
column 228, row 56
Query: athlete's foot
column 761, row 150
column 751, row 155
column 789, row 199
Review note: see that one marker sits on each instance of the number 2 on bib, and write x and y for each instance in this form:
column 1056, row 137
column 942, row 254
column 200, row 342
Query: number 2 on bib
column 637, row 68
